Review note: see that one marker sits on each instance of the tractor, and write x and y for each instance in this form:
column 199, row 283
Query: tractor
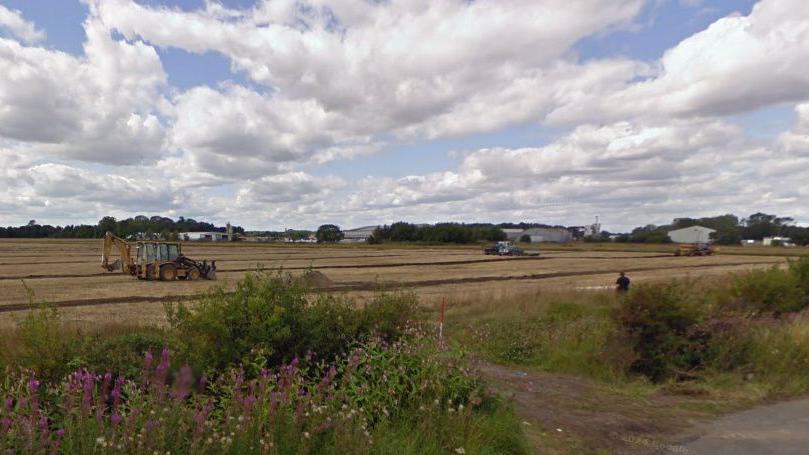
column 694, row 249
column 507, row 249
column 153, row 260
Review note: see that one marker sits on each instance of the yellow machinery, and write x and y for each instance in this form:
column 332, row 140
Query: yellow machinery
column 695, row 249
column 154, row 260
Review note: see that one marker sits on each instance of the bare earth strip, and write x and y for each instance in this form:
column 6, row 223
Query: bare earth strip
column 365, row 286
column 66, row 272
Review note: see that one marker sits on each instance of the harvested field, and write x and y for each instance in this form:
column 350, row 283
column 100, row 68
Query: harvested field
column 67, row 272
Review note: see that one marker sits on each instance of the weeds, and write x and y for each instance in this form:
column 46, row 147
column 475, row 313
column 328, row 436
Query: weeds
column 747, row 329
column 275, row 370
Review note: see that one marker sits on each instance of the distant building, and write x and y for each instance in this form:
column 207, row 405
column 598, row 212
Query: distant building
column 513, row 234
column 691, row 234
column 204, row 236
column 782, row 241
column 360, row 234
column 557, row 235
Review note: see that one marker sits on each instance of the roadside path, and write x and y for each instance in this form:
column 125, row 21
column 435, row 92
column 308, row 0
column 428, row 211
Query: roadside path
column 776, row 429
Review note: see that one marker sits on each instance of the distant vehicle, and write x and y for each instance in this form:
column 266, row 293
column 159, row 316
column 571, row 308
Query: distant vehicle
column 151, row 260
column 694, row 249
column 506, row 248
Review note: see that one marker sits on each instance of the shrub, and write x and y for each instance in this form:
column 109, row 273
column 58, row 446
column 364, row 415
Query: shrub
column 659, row 322
column 121, row 355
column 800, row 270
column 271, row 318
column 774, row 290
column 44, row 346
column 778, row 355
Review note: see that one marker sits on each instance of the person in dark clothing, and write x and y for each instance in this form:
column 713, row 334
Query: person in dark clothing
column 622, row 285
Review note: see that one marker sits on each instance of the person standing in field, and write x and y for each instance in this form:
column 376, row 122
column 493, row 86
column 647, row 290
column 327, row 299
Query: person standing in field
column 622, row 284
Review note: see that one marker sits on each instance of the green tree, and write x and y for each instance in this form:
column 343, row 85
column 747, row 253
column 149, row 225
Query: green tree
column 525, row 238
column 107, row 223
column 329, row 233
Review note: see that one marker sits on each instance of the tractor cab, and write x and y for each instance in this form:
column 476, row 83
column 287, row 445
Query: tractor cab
column 149, row 252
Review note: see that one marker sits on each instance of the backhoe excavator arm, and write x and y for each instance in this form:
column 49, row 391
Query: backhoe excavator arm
column 123, row 247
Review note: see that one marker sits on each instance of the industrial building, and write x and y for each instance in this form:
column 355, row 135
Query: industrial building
column 691, row 234
column 557, row 235
column 513, row 234
column 360, row 234
column 205, row 236
column 783, row 241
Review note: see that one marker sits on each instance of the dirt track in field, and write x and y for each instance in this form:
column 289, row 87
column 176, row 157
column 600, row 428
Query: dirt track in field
column 370, row 286
column 67, row 272
column 335, row 266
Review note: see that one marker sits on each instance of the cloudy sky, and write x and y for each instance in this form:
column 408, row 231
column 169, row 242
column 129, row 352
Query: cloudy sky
column 281, row 113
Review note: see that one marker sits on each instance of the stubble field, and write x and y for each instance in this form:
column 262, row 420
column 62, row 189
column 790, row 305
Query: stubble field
column 68, row 273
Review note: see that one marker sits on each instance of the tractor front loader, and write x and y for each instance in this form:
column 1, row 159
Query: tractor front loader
column 153, row 260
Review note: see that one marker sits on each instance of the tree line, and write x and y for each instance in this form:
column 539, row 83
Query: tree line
column 730, row 229
column 438, row 233
column 135, row 227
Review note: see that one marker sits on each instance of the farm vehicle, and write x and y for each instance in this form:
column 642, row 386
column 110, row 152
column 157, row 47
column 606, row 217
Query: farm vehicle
column 151, row 260
column 507, row 249
column 694, row 249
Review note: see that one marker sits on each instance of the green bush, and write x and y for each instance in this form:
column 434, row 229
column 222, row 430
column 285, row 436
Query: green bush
column 272, row 318
column 800, row 270
column 778, row 355
column 121, row 355
column 774, row 290
column 659, row 323
column 44, row 347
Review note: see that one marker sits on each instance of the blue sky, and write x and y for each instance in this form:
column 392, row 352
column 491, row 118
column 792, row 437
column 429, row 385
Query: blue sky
column 263, row 114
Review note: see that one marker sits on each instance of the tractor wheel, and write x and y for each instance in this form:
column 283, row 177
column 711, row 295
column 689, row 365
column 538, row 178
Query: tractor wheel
column 168, row 272
column 192, row 274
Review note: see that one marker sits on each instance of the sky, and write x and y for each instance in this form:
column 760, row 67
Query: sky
column 274, row 114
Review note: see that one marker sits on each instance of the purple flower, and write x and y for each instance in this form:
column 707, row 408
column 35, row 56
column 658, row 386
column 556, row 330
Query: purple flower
column 60, row 432
column 5, row 423
column 116, row 419
column 203, row 382
column 33, row 384
column 147, row 360
column 9, row 403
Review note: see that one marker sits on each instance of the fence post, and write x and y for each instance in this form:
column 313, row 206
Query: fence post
column 441, row 319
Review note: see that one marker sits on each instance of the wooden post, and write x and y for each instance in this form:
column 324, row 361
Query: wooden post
column 441, row 319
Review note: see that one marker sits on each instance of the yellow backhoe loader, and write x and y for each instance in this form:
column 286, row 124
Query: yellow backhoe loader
column 154, row 260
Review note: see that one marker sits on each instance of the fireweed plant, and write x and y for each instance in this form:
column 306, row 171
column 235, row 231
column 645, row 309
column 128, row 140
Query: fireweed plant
column 332, row 407
column 404, row 393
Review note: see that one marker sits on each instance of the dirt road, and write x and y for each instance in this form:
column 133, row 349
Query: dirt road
column 775, row 429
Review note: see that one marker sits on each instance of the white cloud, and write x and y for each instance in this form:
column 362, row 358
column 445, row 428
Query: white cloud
column 624, row 172
column 739, row 63
column 236, row 132
column 102, row 107
column 293, row 187
column 404, row 67
column 796, row 141
column 13, row 21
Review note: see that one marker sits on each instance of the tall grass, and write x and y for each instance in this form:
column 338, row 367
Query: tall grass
column 269, row 369
column 752, row 327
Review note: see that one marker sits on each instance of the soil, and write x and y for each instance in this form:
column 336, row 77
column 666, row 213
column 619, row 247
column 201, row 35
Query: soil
column 570, row 414
column 317, row 280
